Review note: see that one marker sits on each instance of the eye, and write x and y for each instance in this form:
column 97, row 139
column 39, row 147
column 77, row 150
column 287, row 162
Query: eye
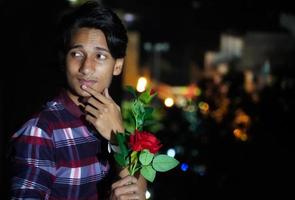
column 101, row 56
column 76, row 54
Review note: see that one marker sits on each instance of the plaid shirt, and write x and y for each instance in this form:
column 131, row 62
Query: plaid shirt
column 55, row 155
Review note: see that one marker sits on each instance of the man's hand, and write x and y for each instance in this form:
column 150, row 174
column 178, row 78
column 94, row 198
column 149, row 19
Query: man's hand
column 128, row 187
column 103, row 113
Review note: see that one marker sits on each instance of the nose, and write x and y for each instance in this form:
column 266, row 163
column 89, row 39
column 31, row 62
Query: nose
column 87, row 66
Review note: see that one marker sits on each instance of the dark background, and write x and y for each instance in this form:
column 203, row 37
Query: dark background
column 30, row 75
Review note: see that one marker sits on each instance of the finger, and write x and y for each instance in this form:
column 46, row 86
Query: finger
column 92, row 111
column 96, row 104
column 90, row 119
column 96, row 94
column 124, row 181
column 127, row 192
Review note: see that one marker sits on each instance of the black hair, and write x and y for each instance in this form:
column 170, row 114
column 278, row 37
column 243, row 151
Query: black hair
column 93, row 15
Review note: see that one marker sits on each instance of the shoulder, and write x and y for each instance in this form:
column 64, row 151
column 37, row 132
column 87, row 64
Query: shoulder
column 42, row 123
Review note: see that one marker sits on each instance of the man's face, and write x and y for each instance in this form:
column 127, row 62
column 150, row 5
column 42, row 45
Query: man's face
column 89, row 62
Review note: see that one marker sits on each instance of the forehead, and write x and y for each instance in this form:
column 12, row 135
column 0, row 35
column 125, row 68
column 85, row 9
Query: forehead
column 89, row 36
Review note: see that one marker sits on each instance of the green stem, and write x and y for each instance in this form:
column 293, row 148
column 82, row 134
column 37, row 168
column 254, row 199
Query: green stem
column 133, row 167
column 130, row 167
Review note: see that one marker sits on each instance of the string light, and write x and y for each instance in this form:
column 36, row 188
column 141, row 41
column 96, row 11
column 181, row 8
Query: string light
column 184, row 167
column 147, row 195
column 141, row 84
column 171, row 152
column 169, row 102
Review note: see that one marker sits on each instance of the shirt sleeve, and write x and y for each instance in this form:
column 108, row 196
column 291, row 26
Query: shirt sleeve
column 33, row 164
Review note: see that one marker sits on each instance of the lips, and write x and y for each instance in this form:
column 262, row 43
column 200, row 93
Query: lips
column 87, row 82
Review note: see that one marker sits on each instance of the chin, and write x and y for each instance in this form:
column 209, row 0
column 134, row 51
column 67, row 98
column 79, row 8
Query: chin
column 83, row 93
column 76, row 91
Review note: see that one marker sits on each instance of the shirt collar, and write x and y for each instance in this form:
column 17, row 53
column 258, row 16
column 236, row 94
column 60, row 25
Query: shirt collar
column 69, row 104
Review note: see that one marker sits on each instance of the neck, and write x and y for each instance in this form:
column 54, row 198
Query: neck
column 74, row 98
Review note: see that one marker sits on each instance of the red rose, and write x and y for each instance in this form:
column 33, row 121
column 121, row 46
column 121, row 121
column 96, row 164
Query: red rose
column 144, row 140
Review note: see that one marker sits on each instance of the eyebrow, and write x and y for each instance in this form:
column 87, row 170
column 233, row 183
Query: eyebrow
column 81, row 46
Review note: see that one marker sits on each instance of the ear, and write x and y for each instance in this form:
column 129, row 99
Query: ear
column 118, row 66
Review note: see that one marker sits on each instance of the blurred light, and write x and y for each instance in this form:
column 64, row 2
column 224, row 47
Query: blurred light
column 200, row 169
column 184, row 167
column 190, row 108
column 222, row 68
column 240, row 134
column 158, row 47
column 179, row 149
column 147, row 194
column 171, row 152
column 169, row 102
column 141, row 84
column 244, row 137
column 147, row 46
column 196, row 4
column 237, row 133
column 180, row 90
column 128, row 17
column 204, row 106
column 198, row 91
column 242, row 118
column 162, row 46
column 195, row 152
column 180, row 101
column 266, row 67
column 73, row 2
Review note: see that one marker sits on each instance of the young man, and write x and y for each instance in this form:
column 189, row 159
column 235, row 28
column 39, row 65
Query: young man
column 58, row 154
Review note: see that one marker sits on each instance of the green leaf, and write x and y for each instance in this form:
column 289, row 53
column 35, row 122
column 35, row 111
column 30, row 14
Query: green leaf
column 148, row 111
column 129, row 128
column 131, row 90
column 163, row 163
column 146, row 157
column 120, row 159
column 138, row 112
column 146, row 96
column 121, row 139
column 149, row 123
column 136, row 108
column 128, row 118
column 139, row 124
column 148, row 173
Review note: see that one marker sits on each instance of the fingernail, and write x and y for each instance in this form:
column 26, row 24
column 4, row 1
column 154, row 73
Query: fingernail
column 84, row 86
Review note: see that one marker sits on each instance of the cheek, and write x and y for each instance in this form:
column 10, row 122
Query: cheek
column 104, row 77
column 71, row 67
column 69, row 73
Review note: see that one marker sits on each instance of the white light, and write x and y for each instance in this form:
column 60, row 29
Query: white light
column 181, row 101
column 148, row 46
column 147, row 194
column 141, row 84
column 171, row 152
column 169, row 102
column 73, row 1
column 162, row 47
column 129, row 17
